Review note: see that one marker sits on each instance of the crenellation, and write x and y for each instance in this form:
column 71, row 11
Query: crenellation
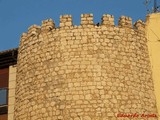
column 48, row 25
column 66, row 21
column 24, row 35
column 87, row 19
column 139, row 25
column 33, row 30
column 23, row 38
column 125, row 21
column 107, row 20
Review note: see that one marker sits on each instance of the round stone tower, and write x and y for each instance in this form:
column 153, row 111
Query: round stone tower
column 86, row 72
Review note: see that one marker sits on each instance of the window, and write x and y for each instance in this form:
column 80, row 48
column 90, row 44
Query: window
column 4, row 75
column 3, row 100
column 3, row 96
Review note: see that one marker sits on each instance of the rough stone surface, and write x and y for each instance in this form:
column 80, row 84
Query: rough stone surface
column 86, row 72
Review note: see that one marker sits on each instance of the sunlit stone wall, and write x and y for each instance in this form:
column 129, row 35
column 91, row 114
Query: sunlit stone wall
column 86, row 72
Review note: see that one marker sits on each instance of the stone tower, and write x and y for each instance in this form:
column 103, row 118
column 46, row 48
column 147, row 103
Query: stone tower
column 86, row 72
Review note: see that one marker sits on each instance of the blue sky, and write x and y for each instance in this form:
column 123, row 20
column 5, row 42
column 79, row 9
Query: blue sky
column 17, row 15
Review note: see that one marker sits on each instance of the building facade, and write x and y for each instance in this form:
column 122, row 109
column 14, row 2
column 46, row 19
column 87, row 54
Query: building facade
column 153, row 37
column 8, row 61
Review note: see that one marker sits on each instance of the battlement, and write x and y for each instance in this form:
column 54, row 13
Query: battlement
column 87, row 19
column 66, row 22
column 125, row 21
column 139, row 25
column 48, row 25
column 107, row 20
column 34, row 30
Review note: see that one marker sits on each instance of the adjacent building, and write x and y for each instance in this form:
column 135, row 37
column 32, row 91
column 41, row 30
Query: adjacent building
column 8, row 61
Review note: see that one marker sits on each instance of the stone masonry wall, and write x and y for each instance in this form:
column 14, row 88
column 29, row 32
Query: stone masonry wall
column 86, row 72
